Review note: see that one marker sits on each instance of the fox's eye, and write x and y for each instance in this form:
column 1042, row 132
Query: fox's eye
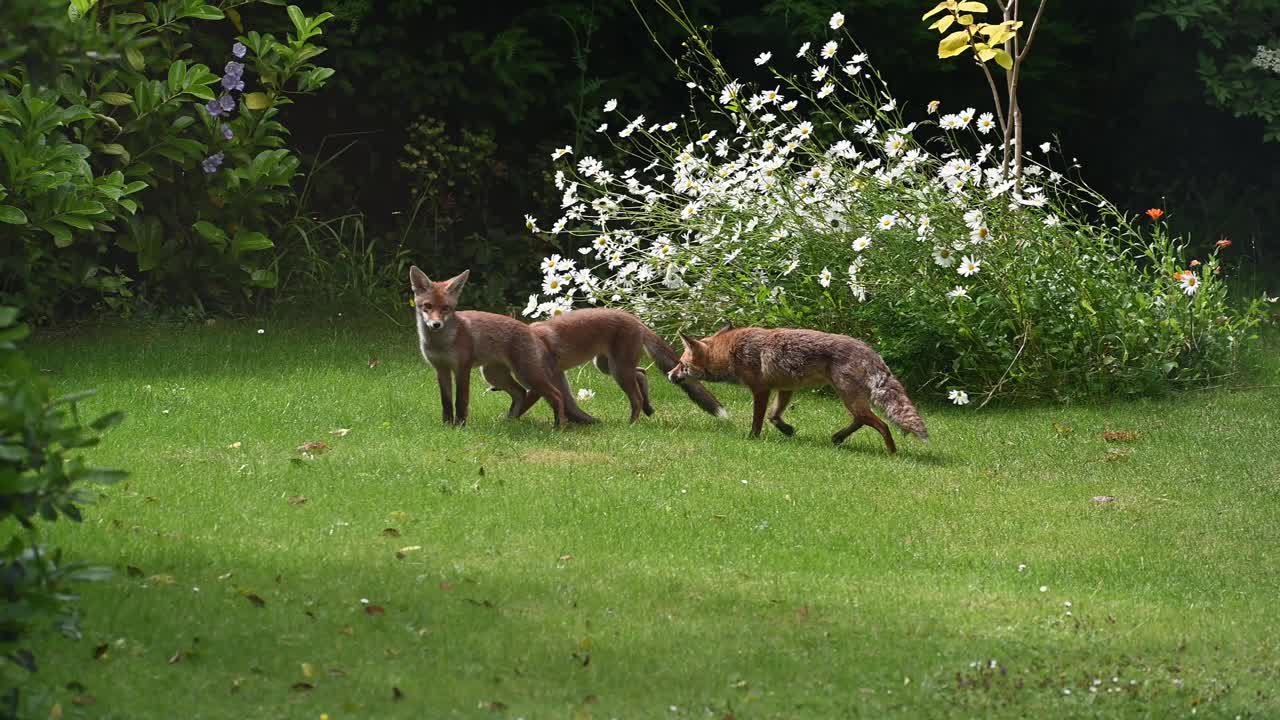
column 446, row 308
column 426, row 306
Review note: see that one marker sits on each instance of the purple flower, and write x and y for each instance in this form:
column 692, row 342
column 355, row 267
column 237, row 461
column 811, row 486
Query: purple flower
column 232, row 83
column 227, row 103
column 214, row 109
column 226, row 132
column 238, row 49
column 234, row 69
column 212, row 163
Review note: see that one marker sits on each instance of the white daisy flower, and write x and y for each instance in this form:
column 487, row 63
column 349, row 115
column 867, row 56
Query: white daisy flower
column 789, row 106
column 862, row 243
column 960, row 397
column 803, row 49
column 837, row 20
column 958, row 292
column 824, row 278
column 969, row 266
column 669, row 127
column 887, row 222
column 561, row 152
column 1190, row 283
column 933, row 106
column 791, row 266
column 980, row 235
column 585, row 394
column 889, row 106
column 986, row 123
column 532, row 307
column 1051, row 220
column 895, row 145
column 763, row 58
column 804, row 129
column 966, row 116
column 819, row 73
column 552, row 284
column 826, row 90
column 549, row 263
column 829, row 50
column 531, row 223
column 1044, row 147
column 944, row 256
column 611, row 105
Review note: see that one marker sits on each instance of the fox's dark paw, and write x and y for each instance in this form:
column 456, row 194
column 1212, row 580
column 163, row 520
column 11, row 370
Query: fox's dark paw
column 583, row 419
column 648, row 410
column 784, row 428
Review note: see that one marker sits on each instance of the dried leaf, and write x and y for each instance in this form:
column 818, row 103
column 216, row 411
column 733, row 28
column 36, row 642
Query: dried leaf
column 312, row 446
column 396, row 694
column 390, row 532
column 302, row 687
column 402, row 552
column 494, row 705
column 177, row 656
column 1116, row 455
column 133, row 570
column 374, row 610
column 255, row 599
column 346, row 630
column 1104, row 498
column 161, row 580
column 234, row 446
column 340, row 432
column 446, row 586
column 374, row 362
column 235, row 684
column 100, row 651
column 297, row 499
column 398, row 515
column 225, row 576
column 84, row 699
column 1120, row 436
column 308, row 670
column 336, row 672
column 55, row 712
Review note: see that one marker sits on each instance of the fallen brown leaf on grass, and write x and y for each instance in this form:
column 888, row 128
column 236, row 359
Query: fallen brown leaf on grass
column 1120, row 435
column 177, row 656
column 1116, row 455
column 302, row 687
column 234, row 446
column 100, row 651
column 374, row 362
column 396, row 694
column 85, row 699
column 340, row 432
column 402, row 552
column 374, row 610
column 297, row 499
column 346, row 630
column 312, row 446
column 161, row 580
column 494, row 705
column 133, row 571
column 390, row 532
column 255, row 599
column 1103, row 498
column 446, row 586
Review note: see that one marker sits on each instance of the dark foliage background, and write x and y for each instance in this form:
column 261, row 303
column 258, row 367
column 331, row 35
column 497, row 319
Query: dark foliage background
column 1117, row 82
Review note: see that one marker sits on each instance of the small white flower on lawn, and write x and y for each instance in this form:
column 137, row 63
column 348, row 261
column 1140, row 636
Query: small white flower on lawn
column 1022, row 567
column 586, row 393
column 969, row 266
column 1067, row 604
column 763, row 58
column 824, row 278
column 611, row 105
column 837, row 20
column 959, row 397
column 862, row 243
column 791, row 266
column 1044, row 588
column 958, row 292
column 262, row 331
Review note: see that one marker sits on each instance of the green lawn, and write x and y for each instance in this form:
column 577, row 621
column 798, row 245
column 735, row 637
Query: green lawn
column 674, row 569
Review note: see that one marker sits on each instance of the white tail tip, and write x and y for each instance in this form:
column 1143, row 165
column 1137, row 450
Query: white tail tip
column 722, row 413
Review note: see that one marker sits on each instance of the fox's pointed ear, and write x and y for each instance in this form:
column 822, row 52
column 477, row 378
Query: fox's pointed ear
column 692, row 344
column 418, row 280
column 455, row 284
column 728, row 325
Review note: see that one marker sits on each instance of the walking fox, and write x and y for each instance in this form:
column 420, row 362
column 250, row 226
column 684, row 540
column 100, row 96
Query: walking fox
column 786, row 360
column 615, row 339
column 454, row 341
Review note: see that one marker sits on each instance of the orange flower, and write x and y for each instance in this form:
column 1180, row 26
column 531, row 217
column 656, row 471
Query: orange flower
column 1195, row 263
column 1181, row 274
column 1223, row 243
column 1155, row 213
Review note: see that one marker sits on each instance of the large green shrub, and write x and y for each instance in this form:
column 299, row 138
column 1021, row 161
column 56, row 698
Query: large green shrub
column 126, row 158
column 809, row 200
column 40, row 479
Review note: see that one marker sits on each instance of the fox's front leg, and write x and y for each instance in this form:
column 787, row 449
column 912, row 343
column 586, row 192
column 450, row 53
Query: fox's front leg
column 761, row 403
column 464, row 395
column 444, row 377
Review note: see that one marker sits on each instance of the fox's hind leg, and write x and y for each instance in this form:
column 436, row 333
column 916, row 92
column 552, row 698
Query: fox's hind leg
column 775, row 415
column 603, row 364
column 499, row 376
column 858, row 402
column 625, row 375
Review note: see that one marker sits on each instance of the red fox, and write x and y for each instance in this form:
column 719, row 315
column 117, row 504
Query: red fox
column 786, row 360
column 615, row 339
column 455, row 341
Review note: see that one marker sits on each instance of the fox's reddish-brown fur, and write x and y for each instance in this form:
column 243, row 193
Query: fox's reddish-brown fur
column 454, row 341
column 615, row 339
column 787, row 360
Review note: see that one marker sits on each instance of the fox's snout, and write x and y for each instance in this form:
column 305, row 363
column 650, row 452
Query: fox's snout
column 434, row 324
column 678, row 373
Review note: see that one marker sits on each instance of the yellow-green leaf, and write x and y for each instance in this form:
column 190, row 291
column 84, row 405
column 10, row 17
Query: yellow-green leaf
column 234, row 16
column 945, row 4
column 972, row 7
column 942, row 23
column 985, row 52
column 953, row 44
column 1004, row 60
column 257, row 101
column 116, row 98
column 134, row 56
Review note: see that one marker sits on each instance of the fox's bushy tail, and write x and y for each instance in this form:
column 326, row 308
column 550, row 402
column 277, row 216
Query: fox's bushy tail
column 667, row 359
column 889, row 394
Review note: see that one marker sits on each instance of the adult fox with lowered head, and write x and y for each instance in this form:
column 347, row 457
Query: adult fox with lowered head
column 787, row 360
column 454, row 341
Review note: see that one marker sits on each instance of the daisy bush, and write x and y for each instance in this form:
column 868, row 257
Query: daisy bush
column 806, row 195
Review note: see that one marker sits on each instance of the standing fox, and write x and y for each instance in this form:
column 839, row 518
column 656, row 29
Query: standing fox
column 615, row 339
column 454, row 342
column 786, row 360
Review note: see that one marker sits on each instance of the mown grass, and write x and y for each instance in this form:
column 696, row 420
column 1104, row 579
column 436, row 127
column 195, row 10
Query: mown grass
column 674, row 569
